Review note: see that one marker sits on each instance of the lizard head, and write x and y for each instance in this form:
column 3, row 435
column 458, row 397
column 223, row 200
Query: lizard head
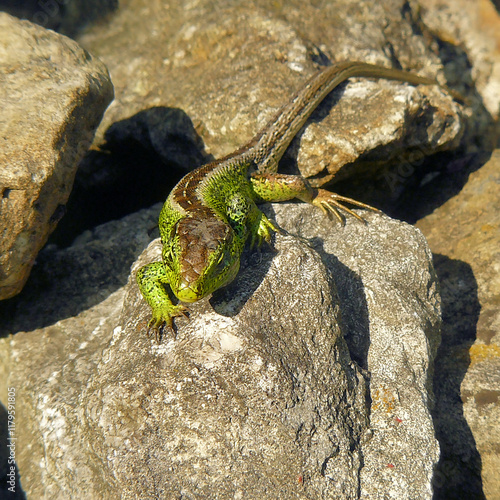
column 208, row 256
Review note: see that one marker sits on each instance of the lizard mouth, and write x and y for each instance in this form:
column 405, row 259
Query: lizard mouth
column 188, row 292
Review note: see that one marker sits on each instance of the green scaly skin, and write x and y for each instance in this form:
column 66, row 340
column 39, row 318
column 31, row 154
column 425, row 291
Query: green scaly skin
column 211, row 214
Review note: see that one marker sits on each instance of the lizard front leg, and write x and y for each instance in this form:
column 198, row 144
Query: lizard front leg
column 152, row 279
column 243, row 215
column 281, row 187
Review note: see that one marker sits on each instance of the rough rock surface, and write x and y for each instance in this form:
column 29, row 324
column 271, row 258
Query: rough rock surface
column 402, row 318
column 464, row 234
column 257, row 397
column 214, row 53
column 476, row 26
column 230, row 66
column 53, row 95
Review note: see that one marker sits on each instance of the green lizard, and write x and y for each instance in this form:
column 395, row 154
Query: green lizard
column 211, row 213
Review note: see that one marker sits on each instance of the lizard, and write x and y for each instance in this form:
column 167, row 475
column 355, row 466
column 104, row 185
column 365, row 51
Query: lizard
column 212, row 213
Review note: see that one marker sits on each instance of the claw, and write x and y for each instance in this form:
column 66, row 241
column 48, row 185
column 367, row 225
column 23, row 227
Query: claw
column 329, row 208
column 159, row 331
column 331, row 203
column 158, row 328
column 161, row 323
column 264, row 231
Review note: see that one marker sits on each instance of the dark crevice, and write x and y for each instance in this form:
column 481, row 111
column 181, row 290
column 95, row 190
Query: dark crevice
column 69, row 17
column 141, row 160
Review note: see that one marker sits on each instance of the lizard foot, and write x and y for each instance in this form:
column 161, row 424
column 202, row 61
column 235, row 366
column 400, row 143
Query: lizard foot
column 264, row 231
column 332, row 203
column 162, row 320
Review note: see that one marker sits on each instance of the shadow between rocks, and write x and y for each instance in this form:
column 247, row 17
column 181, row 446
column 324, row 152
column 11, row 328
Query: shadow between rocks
column 458, row 473
column 142, row 159
column 63, row 16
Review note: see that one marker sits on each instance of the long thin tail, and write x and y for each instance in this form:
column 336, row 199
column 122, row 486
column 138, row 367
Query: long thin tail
column 270, row 144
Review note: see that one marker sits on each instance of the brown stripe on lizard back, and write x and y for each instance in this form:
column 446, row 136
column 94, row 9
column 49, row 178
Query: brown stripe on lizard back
column 185, row 193
column 199, row 234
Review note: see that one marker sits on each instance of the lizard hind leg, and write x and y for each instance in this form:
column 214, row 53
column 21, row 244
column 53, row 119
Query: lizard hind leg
column 330, row 202
column 282, row 187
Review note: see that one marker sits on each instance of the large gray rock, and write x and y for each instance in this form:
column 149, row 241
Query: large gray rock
column 257, row 396
column 53, row 95
column 464, row 233
column 391, row 321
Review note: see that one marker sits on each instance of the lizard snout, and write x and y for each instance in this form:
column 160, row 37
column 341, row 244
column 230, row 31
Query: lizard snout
column 188, row 292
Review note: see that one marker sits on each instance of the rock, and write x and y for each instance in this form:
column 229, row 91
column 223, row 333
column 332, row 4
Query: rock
column 231, row 102
column 475, row 26
column 231, row 67
column 257, row 397
column 74, row 295
column 53, row 97
column 392, row 329
column 464, row 234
